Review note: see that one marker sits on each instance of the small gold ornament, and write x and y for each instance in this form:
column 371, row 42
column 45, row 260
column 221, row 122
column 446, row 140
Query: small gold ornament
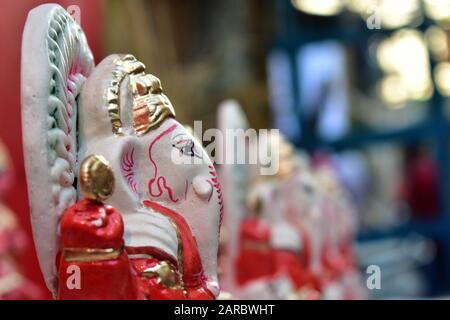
column 96, row 178
column 165, row 273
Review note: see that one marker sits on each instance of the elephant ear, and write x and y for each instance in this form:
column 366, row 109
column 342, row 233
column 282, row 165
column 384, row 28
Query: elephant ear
column 56, row 60
column 234, row 177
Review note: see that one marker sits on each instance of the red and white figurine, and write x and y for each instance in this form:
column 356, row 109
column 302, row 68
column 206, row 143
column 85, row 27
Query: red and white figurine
column 164, row 214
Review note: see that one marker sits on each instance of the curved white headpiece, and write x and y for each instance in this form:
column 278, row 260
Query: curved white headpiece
column 56, row 60
column 235, row 182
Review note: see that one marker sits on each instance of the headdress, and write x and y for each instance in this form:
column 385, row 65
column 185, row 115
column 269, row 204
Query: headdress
column 150, row 105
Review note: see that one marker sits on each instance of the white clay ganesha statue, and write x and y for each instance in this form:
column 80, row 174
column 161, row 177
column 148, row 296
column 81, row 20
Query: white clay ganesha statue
column 164, row 212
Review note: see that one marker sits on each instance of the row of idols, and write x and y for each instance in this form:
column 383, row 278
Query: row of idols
column 289, row 235
column 126, row 203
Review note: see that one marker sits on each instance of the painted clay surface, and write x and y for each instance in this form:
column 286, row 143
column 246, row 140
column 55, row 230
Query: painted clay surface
column 55, row 62
column 167, row 190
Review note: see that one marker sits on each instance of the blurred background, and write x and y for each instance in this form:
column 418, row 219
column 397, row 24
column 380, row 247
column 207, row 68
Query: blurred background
column 367, row 81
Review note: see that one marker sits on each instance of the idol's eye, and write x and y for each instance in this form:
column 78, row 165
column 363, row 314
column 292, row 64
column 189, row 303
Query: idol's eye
column 186, row 146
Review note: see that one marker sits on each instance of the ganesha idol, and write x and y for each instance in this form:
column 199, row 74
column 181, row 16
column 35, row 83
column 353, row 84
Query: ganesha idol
column 302, row 208
column 121, row 193
column 261, row 256
column 316, row 204
column 341, row 279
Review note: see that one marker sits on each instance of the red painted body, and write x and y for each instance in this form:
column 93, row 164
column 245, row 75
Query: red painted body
column 255, row 259
column 258, row 260
column 90, row 224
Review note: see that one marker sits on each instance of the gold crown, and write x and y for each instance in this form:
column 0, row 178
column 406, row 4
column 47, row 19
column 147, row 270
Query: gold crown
column 150, row 105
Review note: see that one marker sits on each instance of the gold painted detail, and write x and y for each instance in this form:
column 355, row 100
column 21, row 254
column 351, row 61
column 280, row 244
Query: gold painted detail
column 90, row 254
column 180, row 250
column 180, row 245
column 150, row 105
column 166, row 274
column 255, row 245
column 96, row 178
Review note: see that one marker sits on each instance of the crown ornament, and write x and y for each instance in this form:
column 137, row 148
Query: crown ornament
column 150, row 106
